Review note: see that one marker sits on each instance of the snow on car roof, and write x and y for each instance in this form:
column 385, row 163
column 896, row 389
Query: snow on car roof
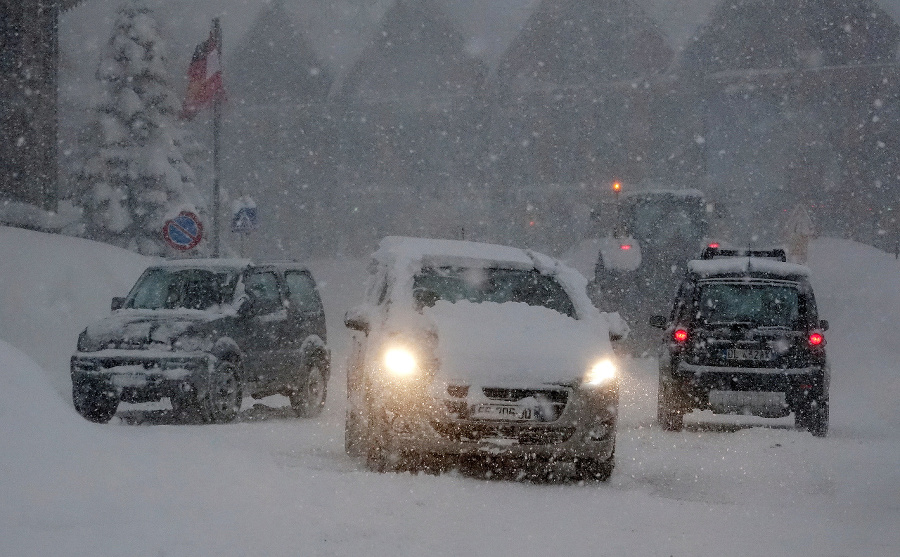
column 743, row 265
column 438, row 252
column 204, row 263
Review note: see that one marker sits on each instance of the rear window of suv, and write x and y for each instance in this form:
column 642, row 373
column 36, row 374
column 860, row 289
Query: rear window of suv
column 453, row 284
column 758, row 304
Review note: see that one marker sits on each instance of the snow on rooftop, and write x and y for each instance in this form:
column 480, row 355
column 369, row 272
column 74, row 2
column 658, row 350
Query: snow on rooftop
column 426, row 251
column 205, row 263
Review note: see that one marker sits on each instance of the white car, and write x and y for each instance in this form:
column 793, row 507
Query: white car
column 464, row 348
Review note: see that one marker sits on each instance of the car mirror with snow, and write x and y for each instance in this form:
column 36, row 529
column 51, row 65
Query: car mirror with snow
column 823, row 324
column 118, row 302
column 357, row 320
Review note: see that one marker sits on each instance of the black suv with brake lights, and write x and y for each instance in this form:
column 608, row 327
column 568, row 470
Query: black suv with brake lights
column 744, row 336
column 204, row 332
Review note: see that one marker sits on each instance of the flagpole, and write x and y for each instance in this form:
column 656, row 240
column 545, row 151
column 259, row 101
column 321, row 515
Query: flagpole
column 217, row 31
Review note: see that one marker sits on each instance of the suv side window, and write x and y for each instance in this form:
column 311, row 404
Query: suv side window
column 302, row 291
column 681, row 311
column 262, row 286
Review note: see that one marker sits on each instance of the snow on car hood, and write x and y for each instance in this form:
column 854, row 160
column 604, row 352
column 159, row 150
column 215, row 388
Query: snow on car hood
column 136, row 328
column 514, row 344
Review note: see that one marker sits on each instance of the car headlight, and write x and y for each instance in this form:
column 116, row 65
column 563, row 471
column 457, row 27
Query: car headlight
column 86, row 343
column 600, row 373
column 400, row 362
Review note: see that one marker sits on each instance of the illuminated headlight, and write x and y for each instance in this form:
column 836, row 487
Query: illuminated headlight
column 400, row 362
column 601, row 373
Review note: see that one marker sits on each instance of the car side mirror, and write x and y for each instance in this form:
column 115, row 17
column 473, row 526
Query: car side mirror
column 118, row 302
column 357, row 320
column 658, row 321
column 823, row 324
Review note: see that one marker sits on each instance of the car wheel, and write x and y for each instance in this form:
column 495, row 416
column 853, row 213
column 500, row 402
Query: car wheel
column 94, row 403
column 309, row 400
column 377, row 449
column 813, row 417
column 185, row 405
column 223, row 395
column 590, row 469
column 668, row 415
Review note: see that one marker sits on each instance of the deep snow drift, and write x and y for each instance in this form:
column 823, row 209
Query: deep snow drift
column 275, row 485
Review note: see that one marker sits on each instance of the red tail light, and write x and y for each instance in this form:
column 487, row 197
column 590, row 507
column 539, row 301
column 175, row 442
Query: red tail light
column 816, row 339
column 625, row 247
column 680, row 335
column 714, row 245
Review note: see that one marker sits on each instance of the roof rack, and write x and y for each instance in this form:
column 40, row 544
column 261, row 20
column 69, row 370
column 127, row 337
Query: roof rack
column 721, row 253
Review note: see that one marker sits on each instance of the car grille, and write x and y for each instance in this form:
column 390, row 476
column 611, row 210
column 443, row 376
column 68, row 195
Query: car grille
column 525, row 435
column 556, row 396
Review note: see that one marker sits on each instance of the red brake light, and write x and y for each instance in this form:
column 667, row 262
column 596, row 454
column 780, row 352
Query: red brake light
column 714, row 245
column 625, row 247
column 680, row 335
column 816, row 339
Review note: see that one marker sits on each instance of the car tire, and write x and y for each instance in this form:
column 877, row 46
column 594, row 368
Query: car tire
column 813, row 417
column 94, row 403
column 668, row 414
column 309, row 400
column 377, row 446
column 223, row 393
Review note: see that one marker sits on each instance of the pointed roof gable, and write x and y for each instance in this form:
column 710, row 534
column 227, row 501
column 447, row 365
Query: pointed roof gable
column 583, row 42
column 764, row 34
column 416, row 52
column 276, row 62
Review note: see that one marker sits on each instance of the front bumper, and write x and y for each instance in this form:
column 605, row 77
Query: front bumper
column 584, row 426
column 139, row 375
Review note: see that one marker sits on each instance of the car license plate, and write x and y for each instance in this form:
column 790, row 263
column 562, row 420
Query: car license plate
column 506, row 412
column 758, row 354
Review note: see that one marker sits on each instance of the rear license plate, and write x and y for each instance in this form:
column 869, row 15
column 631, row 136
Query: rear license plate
column 757, row 354
column 505, row 412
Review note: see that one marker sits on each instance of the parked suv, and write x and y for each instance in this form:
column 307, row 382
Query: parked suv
column 204, row 332
column 744, row 336
column 463, row 348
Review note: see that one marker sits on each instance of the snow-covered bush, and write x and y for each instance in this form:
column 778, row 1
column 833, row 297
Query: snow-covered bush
column 138, row 177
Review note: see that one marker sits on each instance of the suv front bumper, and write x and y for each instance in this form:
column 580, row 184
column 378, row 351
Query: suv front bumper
column 141, row 376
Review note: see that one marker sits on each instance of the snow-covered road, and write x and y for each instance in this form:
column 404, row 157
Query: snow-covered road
column 275, row 485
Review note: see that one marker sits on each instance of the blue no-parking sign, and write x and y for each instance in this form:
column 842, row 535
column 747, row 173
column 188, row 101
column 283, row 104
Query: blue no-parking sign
column 184, row 231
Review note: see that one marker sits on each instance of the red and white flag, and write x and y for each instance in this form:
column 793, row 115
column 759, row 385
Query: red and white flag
column 204, row 75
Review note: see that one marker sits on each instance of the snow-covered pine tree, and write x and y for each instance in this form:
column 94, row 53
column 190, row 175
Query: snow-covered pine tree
column 138, row 177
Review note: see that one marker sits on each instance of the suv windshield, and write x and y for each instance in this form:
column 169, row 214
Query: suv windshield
column 182, row 289
column 490, row 285
column 765, row 305
column 664, row 219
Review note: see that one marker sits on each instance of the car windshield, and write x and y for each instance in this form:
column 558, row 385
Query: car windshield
column 664, row 220
column 199, row 289
column 762, row 305
column 490, row 285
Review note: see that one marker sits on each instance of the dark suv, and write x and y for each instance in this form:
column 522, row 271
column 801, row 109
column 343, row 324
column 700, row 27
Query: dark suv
column 204, row 332
column 744, row 337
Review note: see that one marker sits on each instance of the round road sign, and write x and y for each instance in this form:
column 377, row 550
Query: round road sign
column 184, row 231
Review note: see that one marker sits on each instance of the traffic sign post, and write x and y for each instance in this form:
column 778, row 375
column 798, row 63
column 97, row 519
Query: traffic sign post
column 183, row 232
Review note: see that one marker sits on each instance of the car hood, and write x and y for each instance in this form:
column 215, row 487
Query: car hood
column 514, row 344
column 138, row 329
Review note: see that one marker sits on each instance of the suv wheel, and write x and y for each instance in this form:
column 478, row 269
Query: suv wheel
column 377, row 443
column 309, row 399
column 94, row 403
column 668, row 413
column 813, row 417
column 223, row 397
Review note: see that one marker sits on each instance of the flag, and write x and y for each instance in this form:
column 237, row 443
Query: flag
column 204, row 75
